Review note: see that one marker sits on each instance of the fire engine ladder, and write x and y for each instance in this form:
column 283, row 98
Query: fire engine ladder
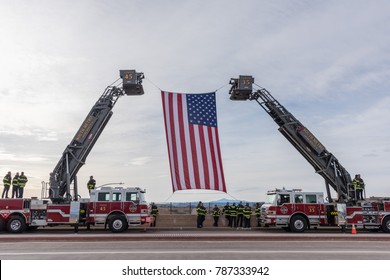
column 323, row 162
column 75, row 154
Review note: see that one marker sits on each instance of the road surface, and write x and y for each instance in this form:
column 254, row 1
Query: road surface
column 196, row 245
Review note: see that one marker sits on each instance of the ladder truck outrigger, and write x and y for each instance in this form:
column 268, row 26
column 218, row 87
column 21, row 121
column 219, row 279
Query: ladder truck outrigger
column 295, row 210
column 114, row 206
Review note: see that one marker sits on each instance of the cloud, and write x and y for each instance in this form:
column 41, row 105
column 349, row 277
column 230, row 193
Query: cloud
column 139, row 161
column 6, row 157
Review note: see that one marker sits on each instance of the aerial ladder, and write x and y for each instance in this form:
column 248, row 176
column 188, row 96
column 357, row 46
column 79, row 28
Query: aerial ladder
column 324, row 162
column 75, row 154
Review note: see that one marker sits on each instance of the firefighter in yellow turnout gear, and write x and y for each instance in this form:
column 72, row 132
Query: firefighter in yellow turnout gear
column 201, row 212
column 233, row 215
column 153, row 213
column 91, row 184
column 22, row 183
column 216, row 214
column 7, row 184
column 15, row 186
column 247, row 216
column 358, row 185
column 257, row 212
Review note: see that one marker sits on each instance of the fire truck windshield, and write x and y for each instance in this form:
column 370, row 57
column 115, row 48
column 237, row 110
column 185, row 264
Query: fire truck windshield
column 141, row 197
column 271, row 199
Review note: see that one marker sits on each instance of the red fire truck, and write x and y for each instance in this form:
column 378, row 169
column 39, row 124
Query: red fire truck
column 115, row 207
column 296, row 210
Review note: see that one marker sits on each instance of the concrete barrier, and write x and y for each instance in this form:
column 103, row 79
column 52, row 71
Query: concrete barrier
column 187, row 220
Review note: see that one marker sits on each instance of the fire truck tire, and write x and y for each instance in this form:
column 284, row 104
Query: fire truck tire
column 118, row 223
column 16, row 224
column 386, row 224
column 298, row 224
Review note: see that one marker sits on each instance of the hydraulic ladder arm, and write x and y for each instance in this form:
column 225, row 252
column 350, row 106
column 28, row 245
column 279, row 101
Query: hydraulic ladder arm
column 323, row 162
column 75, row 154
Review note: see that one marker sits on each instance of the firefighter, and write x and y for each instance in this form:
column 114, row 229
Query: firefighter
column 226, row 211
column 91, row 184
column 7, row 183
column 15, row 186
column 201, row 214
column 216, row 214
column 22, row 183
column 358, row 184
column 257, row 212
column 247, row 216
column 154, row 213
column 233, row 215
column 240, row 214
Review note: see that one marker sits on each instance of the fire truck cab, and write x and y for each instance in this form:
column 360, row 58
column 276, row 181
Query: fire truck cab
column 118, row 207
column 293, row 210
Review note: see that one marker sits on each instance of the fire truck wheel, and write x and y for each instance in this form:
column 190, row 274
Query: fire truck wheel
column 16, row 224
column 118, row 223
column 298, row 224
column 386, row 224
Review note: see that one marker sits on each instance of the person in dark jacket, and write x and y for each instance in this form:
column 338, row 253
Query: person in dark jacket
column 257, row 212
column 240, row 214
column 201, row 212
column 7, row 183
column 233, row 215
column 247, row 216
column 358, row 184
column 22, row 183
column 154, row 213
column 15, row 186
column 216, row 214
column 91, row 184
column 226, row 211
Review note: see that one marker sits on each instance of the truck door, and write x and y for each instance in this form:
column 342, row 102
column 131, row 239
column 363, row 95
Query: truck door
column 116, row 203
column 102, row 206
column 298, row 203
column 312, row 208
column 132, row 208
column 284, row 209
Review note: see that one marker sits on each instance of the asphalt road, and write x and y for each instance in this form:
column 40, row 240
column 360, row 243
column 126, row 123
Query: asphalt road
column 194, row 245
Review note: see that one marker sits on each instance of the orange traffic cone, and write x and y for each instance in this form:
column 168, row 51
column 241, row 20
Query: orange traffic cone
column 353, row 229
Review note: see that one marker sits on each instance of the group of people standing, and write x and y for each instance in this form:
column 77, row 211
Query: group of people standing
column 236, row 215
column 239, row 216
column 18, row 183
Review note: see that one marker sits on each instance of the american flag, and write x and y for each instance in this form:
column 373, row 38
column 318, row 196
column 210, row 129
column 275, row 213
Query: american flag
column 193, row 143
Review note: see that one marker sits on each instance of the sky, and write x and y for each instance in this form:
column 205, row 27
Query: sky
column 327, row 62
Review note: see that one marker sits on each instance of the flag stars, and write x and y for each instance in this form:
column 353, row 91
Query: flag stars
column 202, row 109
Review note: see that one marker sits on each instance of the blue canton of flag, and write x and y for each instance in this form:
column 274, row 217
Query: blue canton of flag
column 202, row 109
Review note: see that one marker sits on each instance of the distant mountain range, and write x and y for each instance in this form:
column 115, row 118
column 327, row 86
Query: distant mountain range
column 219, row 202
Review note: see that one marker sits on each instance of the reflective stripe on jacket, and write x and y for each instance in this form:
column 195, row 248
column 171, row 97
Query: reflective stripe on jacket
column 201, row 211
column 22, row 181
column 15, row 181
column 7, row 181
